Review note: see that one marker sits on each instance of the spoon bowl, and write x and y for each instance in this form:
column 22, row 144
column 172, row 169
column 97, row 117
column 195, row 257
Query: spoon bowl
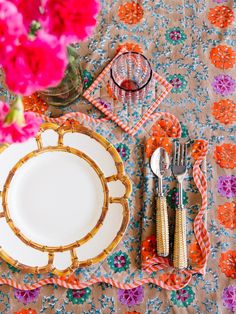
column 159, row 164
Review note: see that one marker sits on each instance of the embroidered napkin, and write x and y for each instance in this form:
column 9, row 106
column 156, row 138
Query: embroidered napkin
column 162, row 133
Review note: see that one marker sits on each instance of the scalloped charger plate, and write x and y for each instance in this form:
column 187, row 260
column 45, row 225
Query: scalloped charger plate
column 64, row 200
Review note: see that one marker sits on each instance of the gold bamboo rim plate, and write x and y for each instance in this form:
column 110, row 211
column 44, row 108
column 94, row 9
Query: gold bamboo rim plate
column 64, row 200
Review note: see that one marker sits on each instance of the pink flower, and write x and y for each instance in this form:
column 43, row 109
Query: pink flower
column 71, row 19
column 35, row 64
column 29, row 10
column 11, row 27
column 14, row 133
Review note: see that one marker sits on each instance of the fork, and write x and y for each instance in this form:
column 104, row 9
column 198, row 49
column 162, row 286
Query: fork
column 179, row 170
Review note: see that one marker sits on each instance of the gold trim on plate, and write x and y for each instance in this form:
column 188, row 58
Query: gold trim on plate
column 120, row 175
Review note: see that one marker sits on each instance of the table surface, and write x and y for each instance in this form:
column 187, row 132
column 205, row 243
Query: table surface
column 185, row 44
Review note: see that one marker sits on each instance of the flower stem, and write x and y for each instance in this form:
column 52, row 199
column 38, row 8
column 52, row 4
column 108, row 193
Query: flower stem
column 71, row 54
column 16, row 112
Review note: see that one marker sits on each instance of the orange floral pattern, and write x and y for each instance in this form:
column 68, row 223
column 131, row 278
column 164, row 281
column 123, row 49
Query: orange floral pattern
column 170, row 279
column 70, row 123
column 130, row 47
column 35, row 103
column 198, row 148
column 195, row 253
column 148, row 248
column 110, row 92
column 164, row 128
column 132, row 312
column 224, row 111
column 221, row 16
column 26, row 311
column 70, row 279
column 223, row 57
column 225, row 155
column 226, row 214
column 130, row 13
column 228, row 263
column 154, row 142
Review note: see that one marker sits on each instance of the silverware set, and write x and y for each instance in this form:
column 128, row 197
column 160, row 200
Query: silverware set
column 159, row 163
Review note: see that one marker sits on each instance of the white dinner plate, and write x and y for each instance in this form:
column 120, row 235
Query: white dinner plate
column 64, row 200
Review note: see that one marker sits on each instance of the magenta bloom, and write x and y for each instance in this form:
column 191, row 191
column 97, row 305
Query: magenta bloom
column 11, row 27
column 229, row 298
column 105, row 104
column 223, row 84
column 71, row 20
column 29, row 10
column 226, row 186
column 26, row 296
column 131, row 297
column 14, row 133
column 35, row 64
column 11, row 22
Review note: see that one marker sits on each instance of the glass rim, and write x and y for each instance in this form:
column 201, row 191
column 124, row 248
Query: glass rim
column 138, row 89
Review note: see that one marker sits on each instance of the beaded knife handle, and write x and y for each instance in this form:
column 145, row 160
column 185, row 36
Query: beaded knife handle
column 180, row 244
column 162, row 227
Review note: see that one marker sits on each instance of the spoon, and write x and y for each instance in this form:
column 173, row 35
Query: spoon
column 159, row 164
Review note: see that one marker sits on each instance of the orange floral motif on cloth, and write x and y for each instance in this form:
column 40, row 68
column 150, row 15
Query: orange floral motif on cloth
column 26, row 311
column 132, row 312
column 35, row 103
column 70, row 279
column 130, row 12
column 148, row 248
column 195, row 253
column 154, row 142
column 228, row 263
column 110, row 92
column 164, row 128
column 225, row 155
column 70, row 123
column 224, row 111
column 198, row 148
column 170, row 279
column 223, row 57
column 221, row 16
column 226, row 214
column 130, row 47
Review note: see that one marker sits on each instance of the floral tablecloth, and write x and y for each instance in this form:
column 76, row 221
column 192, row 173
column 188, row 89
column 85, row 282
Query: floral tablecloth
column 191, row 44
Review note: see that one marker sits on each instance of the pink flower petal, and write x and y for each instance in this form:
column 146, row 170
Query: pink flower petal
column 29, row 10
column 14, row 133
column 39, row 64
column 72, row 19
column 11, row 27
